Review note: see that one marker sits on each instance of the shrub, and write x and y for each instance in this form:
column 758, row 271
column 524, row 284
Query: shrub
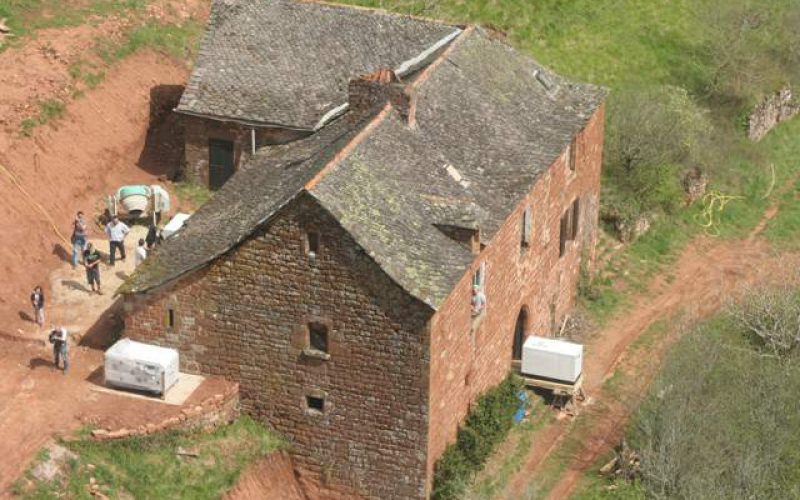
column 771, row 317
column 485, row 427
column 654, row 134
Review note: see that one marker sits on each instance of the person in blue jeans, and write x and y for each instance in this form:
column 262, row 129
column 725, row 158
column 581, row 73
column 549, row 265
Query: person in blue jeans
column 78, row 238
column 59, row 338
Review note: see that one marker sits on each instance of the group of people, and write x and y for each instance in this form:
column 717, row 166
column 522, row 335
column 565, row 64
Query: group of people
column 116, row 231
column 84, row 250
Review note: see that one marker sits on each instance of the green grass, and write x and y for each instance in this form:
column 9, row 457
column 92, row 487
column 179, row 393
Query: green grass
column 88, row 73
column 49, row 110
column 25, row 17
column 178, row 41
column 149, row 467
column 192, row 193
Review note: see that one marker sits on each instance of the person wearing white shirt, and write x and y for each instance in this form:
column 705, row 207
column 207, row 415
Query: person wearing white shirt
column 141, row 253
column 116, row 232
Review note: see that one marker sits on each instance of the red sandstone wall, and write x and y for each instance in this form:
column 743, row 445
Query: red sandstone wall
column 243, row 319
column 468, row 355
column 199, row 130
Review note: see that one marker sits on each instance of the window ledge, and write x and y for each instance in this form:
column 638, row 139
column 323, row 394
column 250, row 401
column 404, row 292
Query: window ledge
column 314, row 413
column 314, row 353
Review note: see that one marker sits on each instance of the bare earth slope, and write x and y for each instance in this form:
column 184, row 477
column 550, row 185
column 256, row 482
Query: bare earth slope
column 68, row 166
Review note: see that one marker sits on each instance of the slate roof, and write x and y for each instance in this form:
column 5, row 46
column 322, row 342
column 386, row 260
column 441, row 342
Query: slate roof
column 487, row 127
column 287, row 63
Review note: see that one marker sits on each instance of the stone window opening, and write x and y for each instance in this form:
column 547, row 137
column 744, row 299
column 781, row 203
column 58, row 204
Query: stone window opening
column 525, row 237
column 317, row 341
column 478, row 301
column 318, row 337
column 570, row 223
column 575, row 218
column 315, row 405
column 312, row 244
column 572, row 150
column 169, row 317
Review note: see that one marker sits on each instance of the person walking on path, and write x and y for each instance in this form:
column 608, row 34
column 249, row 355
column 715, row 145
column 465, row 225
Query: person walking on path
column 78, row 238
column 59, row 339
column 91, row 260
column 116, row 232
column 37, row 301
column 141, row 253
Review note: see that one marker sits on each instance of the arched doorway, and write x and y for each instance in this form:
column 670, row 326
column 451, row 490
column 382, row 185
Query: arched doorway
column 519, row 334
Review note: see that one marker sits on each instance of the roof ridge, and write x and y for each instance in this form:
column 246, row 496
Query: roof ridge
column 345, row 150
column 429, row 69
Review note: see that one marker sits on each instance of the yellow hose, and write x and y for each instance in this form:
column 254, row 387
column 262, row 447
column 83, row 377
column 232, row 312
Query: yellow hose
column 714, row 203
column 36, row 205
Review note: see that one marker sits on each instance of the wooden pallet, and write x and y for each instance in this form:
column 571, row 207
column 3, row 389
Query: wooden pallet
column 564, row 393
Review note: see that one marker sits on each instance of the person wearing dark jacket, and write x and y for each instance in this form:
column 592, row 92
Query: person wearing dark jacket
column 152, row 236
column 37, row 301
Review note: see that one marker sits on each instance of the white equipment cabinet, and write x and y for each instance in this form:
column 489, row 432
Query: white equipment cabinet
column 144, row 367
column 552, row 359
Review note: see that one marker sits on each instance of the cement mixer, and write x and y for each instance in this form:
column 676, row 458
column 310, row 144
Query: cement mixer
column 138, row 201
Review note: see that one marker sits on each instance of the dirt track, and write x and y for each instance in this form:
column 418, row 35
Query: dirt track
column 706, row 272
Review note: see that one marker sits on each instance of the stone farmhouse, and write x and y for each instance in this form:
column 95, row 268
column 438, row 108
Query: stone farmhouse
column 399, row 164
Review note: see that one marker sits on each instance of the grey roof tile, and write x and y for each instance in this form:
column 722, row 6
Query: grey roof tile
column 288, row 63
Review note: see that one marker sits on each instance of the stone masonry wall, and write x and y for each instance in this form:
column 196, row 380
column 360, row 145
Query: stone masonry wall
column 244, row 318
column 199, row 130
column 773, row 110
column 470, row 355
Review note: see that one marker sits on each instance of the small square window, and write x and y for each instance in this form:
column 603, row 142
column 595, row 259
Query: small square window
column 318, row 337
column 312, row 244
column 315, row 404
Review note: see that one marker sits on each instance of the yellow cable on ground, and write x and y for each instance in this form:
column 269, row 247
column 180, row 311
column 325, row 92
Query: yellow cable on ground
column 772, row 182
column 41, row 209
column 714, row 203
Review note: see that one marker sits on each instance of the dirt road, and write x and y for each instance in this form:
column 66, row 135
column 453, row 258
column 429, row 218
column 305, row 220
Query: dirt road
column 707, row 270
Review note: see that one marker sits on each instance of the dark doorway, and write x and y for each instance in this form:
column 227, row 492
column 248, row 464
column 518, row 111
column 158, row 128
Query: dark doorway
column 220, row 162
column 519, row 334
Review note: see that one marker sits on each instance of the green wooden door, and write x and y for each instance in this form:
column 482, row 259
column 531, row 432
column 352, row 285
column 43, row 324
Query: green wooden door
column 220, row 162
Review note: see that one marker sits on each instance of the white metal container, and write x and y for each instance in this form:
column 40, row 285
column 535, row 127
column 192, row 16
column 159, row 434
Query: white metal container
column 552, row 359
column 174, row 224
column 145, row 367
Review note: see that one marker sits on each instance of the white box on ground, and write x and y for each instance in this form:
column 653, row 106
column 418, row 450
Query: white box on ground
column 134, row 365
column 174, row 224
column 553, row 359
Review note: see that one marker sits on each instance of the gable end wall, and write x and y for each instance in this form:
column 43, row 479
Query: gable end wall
column 243, row 318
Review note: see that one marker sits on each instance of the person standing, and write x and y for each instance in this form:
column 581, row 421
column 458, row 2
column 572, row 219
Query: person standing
column 59, row 339
column 141, row 253
column 152, row 236
column 91, row 260
column 37, row 301
column 116, row 232
column 78, row 238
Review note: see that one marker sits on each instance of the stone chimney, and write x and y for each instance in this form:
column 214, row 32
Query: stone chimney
column 369, row 93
